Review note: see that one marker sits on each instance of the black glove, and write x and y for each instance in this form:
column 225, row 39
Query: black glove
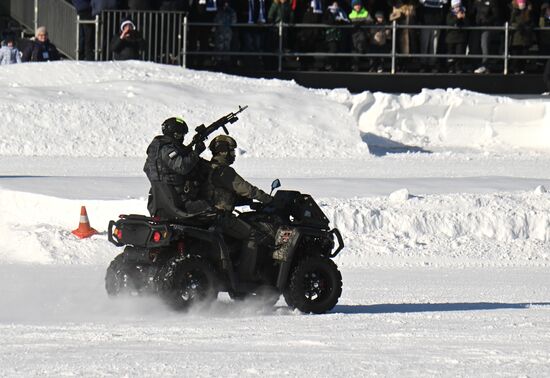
column 199, row 147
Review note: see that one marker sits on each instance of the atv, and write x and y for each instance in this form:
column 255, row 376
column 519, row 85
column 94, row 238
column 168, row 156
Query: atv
column 186, row 262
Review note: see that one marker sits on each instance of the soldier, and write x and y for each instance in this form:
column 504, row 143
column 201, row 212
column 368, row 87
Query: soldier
column 172, row 170
column 226, row 189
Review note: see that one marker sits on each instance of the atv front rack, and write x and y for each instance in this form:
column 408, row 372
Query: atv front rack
column 338, row 235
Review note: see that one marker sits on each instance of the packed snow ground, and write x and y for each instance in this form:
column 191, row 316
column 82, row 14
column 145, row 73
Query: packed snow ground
column 441, row 197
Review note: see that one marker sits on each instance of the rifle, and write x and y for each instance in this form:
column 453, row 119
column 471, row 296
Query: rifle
column 204, row 131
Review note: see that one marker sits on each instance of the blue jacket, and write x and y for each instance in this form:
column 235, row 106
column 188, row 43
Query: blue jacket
column 9, row 55
column 100, row 5
column 82, row 5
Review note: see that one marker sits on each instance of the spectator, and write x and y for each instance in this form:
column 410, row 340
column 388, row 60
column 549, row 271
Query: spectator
column 100, row 5
column 546, row 78
column 129, row 44
column 223, row 33
column 404, row 13
column 359, row 16
column 456, row 38
column 87, row 37
column 431, row 12
column 522, row 37
column 380, row 42
column 254, row 39
column 174, row 5
column 484, row 13
column 544, row 36
column 309, row 39
column 41, row 49
column 139, row 5
column 335, row 37
column 280, row 11
column 199, row 35
column 9, row 54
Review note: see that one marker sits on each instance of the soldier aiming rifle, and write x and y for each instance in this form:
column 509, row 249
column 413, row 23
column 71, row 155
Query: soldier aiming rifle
column 174, row 170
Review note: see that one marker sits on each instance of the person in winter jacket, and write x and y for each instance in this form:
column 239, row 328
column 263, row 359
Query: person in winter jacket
column 430, row 12
column 9, row 54
column 380, row 41
column 100, row 5
column 41, row 49
column 544, row 35
column 223, row 32
column 360, row 36
column 87, row 31
column 523, row 36
column 404, row 13
column 309, row 39
column 129, row 44
column 456, row 39
column 484, row 13
column 335, row 38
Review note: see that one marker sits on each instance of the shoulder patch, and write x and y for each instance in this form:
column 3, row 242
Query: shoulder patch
column 173, row 154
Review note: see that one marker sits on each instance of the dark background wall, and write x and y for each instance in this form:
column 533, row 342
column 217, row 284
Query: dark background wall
column 413, row 83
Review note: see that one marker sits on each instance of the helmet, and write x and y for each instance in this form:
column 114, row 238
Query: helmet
column 222, row 143
column 175, row 127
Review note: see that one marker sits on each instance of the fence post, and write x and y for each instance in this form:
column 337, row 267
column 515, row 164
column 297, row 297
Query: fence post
column 35, row 15
column 280, row 68
column 77, row 50
column 393, row 45
column 184, row 59
column 506, row 33
column 96, row 47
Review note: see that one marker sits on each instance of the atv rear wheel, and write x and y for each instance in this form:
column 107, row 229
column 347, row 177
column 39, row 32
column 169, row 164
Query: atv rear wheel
column 315, row 285
column 187, row 281
column 118, row 278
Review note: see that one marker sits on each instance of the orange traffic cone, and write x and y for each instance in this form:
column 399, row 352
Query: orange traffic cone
column 84, row 230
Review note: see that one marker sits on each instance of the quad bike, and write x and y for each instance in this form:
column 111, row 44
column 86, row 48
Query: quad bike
column 186, row 262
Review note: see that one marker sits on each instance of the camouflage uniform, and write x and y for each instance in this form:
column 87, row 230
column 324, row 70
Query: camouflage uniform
column 227, row 189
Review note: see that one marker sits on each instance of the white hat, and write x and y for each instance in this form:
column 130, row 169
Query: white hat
column 126, row 22
column 455, row 3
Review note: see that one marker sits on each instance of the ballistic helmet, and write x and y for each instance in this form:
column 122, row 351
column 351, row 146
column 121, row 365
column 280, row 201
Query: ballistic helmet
column 175, row 127
column 222, row 143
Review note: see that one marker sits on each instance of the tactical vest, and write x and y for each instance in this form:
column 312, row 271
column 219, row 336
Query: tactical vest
column 155, row 169
column 220, row 198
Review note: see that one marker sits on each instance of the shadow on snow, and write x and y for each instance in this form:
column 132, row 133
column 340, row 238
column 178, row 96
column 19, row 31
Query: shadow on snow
column 430, row 307
column 380, row 146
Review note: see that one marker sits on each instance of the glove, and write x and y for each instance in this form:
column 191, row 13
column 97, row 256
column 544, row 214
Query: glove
column 200, row 147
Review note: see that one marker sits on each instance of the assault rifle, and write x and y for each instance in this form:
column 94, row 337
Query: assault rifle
column 204, row 131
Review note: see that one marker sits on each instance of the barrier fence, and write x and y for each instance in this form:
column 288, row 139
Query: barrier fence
column 172, row 39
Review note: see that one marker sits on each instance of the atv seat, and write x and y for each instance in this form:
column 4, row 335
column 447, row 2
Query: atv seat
column 166, row 204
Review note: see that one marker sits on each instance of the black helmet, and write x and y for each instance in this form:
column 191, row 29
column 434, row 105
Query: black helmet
column 175, row 127
column 222, row 143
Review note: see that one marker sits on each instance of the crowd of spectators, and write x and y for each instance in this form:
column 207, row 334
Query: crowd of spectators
column 369, row 32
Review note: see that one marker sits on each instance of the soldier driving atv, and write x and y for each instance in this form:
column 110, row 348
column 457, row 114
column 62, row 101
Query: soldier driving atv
column 225, row 189
column 173, row 171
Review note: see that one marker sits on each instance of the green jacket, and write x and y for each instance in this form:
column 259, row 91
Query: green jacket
column 361, row 16
column 227, row 189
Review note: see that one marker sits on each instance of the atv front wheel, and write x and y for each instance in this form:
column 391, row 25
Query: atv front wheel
column 315, row 285
column 187, row 281
column 118, row 278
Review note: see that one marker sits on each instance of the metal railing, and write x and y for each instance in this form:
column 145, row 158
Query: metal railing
column 59, row 18
column 168, row 35
column 23, row 11
column 282, row 51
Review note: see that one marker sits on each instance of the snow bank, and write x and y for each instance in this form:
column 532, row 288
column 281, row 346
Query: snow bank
column 115, row 108
column 452, row 229
column 452, row 118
